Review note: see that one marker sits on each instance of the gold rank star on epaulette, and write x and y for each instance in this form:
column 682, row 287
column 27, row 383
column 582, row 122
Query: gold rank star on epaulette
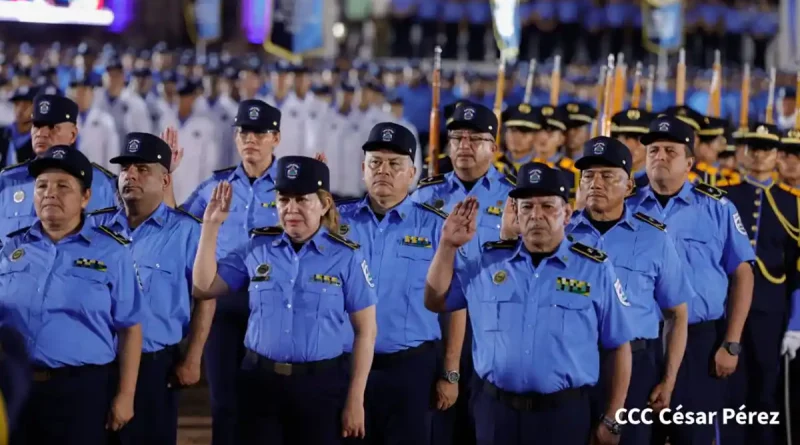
column 650, row 220
column 117, row 237
column 710, row 191
column 574, row 286
column 500, row 244
column 327, row 279
column 431, row 180
column 433, row 209
column 91, row 264
column 589, row 252
column 417, row 241
column 267, row 231
column 340, row 239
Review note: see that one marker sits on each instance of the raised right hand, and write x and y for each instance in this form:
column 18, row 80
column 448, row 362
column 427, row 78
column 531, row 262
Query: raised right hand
column 219, row 205
column 462, row 223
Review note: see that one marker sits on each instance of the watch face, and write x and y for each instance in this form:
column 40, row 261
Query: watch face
column 734, row 348
column 452, row 376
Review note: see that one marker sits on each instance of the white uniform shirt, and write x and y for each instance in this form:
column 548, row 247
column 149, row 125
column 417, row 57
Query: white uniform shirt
column 98, row 138
column 223, row 111
column 129, row 111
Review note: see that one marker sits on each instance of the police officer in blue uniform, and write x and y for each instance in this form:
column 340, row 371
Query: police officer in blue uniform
column 256, row 135
column 713, row 246
column 164, row 244
column 769, row 214
column 304, row 280
column 471, row 135
column 647, row 264
column 536, row 350
column 399, row 237
column 74, row 337
column 54, row 123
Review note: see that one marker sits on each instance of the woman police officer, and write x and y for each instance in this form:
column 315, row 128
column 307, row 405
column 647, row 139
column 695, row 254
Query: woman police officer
column 302, row 278
column 71, row 290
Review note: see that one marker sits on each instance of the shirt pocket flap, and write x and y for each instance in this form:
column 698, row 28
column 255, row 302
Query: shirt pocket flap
column 86, row 273
column 157, row 265
column 416, row 252
column 266, row 285
column 575, row 303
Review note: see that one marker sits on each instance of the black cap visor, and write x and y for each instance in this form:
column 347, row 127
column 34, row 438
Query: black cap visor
column 658, row 136
column 588, row 162
column 380, row 145
column 463, row 125
column 530, row 193
column 761, row 144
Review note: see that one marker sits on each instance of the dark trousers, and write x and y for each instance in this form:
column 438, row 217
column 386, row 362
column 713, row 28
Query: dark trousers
column 68, row 406
column 224, row 352
column 696, row 388
column 297, row 409
column 498, row 423
column 755, row 382
column 645, row 375
column 455, row 426
column 398, row 399
column 155, row 420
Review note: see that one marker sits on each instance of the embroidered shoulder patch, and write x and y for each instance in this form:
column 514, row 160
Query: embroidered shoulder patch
column 589, row 252
column 650, row 220
column 500, row 244
column 103, row 211
column 710, row 191
column 338, row 238
column 18, row 232
column 117, row 237
column 104, row 171
column 433, row 209
column 430, row 180
column 184, row 212
column 267, row 231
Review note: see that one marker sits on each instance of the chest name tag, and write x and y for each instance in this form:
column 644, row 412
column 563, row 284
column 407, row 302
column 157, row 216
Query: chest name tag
column 570, row 285
column 91, row 264
column 327, row 279
column 416, row 241
column 496, row 211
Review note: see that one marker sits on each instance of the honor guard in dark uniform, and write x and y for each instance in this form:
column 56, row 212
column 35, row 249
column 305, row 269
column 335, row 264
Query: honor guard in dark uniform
column 711, row 142
column 72, row 291
column 540, row 307
column 580, row 117
column 305, row 281
column 717, row 259
column 628, row 126
column 520, row 123
column 727, row 157
column 15, row 139
column 54, row 123
column 554, row 124
column 769, row 216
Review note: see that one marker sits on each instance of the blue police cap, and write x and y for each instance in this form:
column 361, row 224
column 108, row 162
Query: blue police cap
column 393, row 137
column 301, row 175
column 669, row 128
column 142, row 73
column 113, row 64
column 25, row 93
column 321, row 90
column 347, row 87
column 51, row 109
column 85, row 80
column 537, row 179
column 187, row 87
column 607, row 152
column 259, row 115
column 64, row 157
column 394, row 98
column 22, row 71
column 789, row 93
column 169, row 76
column 475, row 117
column 144, row 148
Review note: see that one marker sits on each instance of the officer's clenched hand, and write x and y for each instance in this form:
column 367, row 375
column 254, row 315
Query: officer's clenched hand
column 187, row 373
column 661, row 396
column 446, row 394
column 791, row 343
column 170, row 136
column 219, row 205
column 509, row 226
column 602, row 436
column 724, row 363
column 353, row 424
column 462, row 223
column 121, row 412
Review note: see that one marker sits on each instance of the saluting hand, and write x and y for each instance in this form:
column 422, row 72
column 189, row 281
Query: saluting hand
column 509, row 225
column 170, row 136
column 353, row 424
column 462, row 223
column 321, row 157
column 121, row 412
column 219, row 205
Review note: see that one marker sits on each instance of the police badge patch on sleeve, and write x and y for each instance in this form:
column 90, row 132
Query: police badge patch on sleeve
column 621, row 293
column 367, row 276
column 739, row 226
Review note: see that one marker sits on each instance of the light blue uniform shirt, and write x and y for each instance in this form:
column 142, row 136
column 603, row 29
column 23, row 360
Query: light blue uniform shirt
column 538, row 329
column 491, row 191
column 399, row 249
column 710, row 240
column 647, row 264
column 163, row 248
column 252, row 206
column 69, row 299
column 299, row 301
column 16, row 196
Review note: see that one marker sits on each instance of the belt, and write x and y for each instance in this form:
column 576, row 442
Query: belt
column 168, row 351
column 289, row 369
column 708, row 325
column 43, row 374
column 533, row 401
column 642, row 344
column 381, row 361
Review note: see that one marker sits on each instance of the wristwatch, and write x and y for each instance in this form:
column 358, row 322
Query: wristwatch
column 733, row 348
column 613, row 426
column 451, row 376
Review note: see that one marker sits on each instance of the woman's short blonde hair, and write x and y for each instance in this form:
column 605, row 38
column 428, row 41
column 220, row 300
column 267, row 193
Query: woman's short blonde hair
column 331, row 218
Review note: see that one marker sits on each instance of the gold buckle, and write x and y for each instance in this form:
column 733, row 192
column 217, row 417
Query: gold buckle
column 284, row 369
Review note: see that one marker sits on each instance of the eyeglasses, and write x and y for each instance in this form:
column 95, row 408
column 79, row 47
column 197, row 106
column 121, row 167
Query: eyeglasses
column 396, row 165
column 472, row 139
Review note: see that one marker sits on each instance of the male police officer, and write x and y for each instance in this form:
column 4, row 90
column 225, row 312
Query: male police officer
column 398, row 237
column 713, row 245
column 54, row 123
column 647, row 263
column 253, row 181
column 536, row 351
column 164, row 244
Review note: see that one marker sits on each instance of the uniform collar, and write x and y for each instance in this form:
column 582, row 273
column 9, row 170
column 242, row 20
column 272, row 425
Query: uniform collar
column 764, row 185
column 685, row 193
column 400, row 210
column 86, row 232
column 561, row 255
column 582, row 219
column 318, row 242
column 485, row 180
column 269, row 173
column 158, row 217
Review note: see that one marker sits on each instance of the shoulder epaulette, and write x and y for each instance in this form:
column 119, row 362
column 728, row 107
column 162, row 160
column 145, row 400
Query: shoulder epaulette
column 510, row 178
column 225, row 170
column 589, row 252
column 710, row 191
column 340, row 239
column 433, row 209
column 729, row 181
column 117, row 237
column 184, row 212
column 267, row 231
column 788, row 188
column 430, row 180
column 650, row 220
column 567, row 164
column 18, row 232
column 111, row 209
column 12, row 167
column 343, row 201
column 500, row 244
column 104, row 170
